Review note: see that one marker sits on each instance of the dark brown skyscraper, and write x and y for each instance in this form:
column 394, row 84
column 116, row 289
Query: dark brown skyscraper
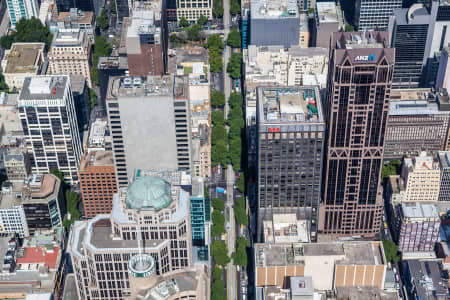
column 357, row 105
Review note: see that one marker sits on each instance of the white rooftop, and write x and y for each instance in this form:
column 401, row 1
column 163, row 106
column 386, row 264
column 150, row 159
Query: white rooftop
column 327, row 12
column 40, row 85
column 420, row 210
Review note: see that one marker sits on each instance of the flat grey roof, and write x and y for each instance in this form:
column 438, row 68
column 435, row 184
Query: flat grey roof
column 427, row 279
column 273, row 9
column 44, row 87
column 420, row 210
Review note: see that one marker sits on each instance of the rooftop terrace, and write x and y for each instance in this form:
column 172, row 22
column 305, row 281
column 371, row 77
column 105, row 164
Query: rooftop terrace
column 24, row 58
column 273, row 9
column 290, row 105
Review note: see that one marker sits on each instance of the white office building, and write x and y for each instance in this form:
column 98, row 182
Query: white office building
column 47, row 112
column 375, row 14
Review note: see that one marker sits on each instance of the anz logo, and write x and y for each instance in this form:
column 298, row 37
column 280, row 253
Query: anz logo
column 370, row 57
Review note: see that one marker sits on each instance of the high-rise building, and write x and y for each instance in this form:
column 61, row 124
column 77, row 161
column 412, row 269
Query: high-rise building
column 142, row 113
column 47, row 112
column 19, row 9
column 109, row 66
column 274, row 22
column 443, row 74
column 422, row 177
column 444, row 163
column 416, row 123
column 75, row 18
column 70, row 53
column 418, row 34
column 357, row 106
column 417, row 228
column 160, row 210
column 374, row 14
column 327, row 19
column 290, row 135
column 97, row 183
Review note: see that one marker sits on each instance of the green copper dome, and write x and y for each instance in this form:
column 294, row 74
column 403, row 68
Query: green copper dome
column 148, row 192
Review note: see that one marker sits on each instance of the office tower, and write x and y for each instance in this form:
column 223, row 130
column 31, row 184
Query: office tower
column 171, row 10
column 357, row 104
column 327, row 19
column 19, row 9
column 290, row 135
column 43, row 202
column 70, row 53
column 444, row 164
column 81, row 100
column 274, row 22
column 418, row 34
column 200, row 217
column 109, row 66
column 416, row 123
column 192, row 10
column 22, row 60
column 422, row 177
column 142, row 113
column 374, row 14
column 146, row 40
column 417, row 228
column 97, row 182
column 123, row 10
column 161, row 211
column 47, row 112
column 306, row 4
column 443, row 74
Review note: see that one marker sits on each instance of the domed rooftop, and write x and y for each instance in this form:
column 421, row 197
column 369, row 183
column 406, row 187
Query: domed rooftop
column 148, row 192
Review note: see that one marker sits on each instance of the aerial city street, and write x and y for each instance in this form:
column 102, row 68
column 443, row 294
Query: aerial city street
column 225, row 149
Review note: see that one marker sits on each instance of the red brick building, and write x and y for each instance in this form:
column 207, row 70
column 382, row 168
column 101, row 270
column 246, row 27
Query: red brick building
column 97, row 182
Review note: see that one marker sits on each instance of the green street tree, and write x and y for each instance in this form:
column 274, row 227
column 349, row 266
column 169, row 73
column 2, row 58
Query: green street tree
column 3, row 85
column 349, row 28
column 240, row 255
column 235, row 7
column 193, row 32
column 393, row 167
column 390, row 251
column 217, row 118
column 218, row 134
column 240, row 212
column 218, row 204
column 234, row 65
column 215, row 41
column 234, row 38
column 202, row 20
column 240, row 183
column 92, row 98
column 235, row 153
column 101, row 48
column 30, row 31
column 217, row 273
column 112, row 7
column 218, row 218
column 235, row 99
column 218, row 9
column 236, row 113
column 219, row 154
column 215, row 61
column 218, row 290
column 217, row 230
column 217, row 99
column 102, row 20
column 184, row 23
column 219, row 252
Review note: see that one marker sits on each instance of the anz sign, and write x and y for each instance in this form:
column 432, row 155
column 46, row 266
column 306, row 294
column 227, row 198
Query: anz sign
column 370, row 57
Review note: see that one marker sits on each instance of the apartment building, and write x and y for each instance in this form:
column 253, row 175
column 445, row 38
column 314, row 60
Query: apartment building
column 290, row 139
column 70, row 53
column 22, row 60
column 160, row 210
column 356, row 119
column 149, row 122
column 47, row 113
column 417, row 122
column 97, row 182
column 12, row 216
column 21, row 9
column 422, row 177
